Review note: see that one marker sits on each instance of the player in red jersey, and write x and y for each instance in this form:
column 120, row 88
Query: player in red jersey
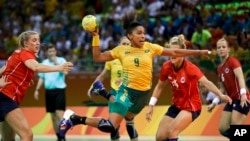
column 233, row 84
column 20, row 69
column 184, row 77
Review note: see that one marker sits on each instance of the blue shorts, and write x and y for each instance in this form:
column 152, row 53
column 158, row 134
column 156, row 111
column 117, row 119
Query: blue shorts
column 236, row 106
column 6, row 105
column 173, row 111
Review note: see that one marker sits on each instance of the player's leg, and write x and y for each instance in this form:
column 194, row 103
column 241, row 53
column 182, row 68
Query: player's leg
column 180, row 122
column 239, row 114
column 116, row 115
column 13, row 115
column 70, row 119
column 99, row 89
column 130, row 126
column 161, row 133
column 60, row 105
column 114, row 136
column 19, row 124
column 225, row 120
column 137, row 100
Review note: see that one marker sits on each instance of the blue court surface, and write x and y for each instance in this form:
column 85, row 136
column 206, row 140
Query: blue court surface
column 124, row 138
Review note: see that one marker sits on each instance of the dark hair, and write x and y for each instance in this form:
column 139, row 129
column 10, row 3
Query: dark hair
column 46, row 47
column 130, row 22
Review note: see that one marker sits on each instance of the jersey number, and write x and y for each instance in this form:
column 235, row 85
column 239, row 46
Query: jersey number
column 137, row 62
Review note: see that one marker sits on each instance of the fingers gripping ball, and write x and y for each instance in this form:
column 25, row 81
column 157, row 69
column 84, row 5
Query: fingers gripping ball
column 89, row 23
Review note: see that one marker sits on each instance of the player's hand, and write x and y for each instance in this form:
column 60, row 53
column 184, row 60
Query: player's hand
column 36, row 95
column 96, row 32
column 149, row 113
column 208, row 53
column 226, row 98
column 66, row 67
column 3, row 81
column 244, row 101
column 210, row 107
column 31, row 82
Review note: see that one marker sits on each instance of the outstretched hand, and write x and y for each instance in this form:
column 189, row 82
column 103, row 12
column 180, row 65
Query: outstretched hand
column 226, row 98
column 66, row 67
column 3, row 81
column 208, row 53
column 244, row 101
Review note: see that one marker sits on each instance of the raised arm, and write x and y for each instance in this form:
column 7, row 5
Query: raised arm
column 98, row 56
column 184, row 52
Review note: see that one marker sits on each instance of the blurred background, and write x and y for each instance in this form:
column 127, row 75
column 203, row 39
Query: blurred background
column 59, row 23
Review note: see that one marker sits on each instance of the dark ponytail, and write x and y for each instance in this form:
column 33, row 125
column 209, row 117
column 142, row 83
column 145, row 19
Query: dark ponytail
column 130, row 22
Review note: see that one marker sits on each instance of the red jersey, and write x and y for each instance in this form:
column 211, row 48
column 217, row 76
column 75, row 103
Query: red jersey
column 18, row 74
column 226, row 75
column 184, row 83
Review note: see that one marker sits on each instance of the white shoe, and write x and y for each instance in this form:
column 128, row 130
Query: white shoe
column 67, row 114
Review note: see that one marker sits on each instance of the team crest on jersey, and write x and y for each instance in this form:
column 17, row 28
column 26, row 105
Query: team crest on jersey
column 174, row 83
column 127, row 52
column 183, row 80
column 146, row 51
column 226, row 70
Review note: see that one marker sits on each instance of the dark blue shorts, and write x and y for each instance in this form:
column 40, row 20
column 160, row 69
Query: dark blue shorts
column 55, row 100
column 236, row 106
column 6, row 105
column 173, row 111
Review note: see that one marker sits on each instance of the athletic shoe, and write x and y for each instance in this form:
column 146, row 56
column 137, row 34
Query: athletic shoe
column 65, row 124
column 96, row 88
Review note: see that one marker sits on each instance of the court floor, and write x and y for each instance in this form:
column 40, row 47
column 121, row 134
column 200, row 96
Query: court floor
column 124, row 138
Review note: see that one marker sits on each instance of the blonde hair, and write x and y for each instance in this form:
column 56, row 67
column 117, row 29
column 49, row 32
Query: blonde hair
column 222, row 40
column 178, row 40
column 124, row 38
column 24, row 36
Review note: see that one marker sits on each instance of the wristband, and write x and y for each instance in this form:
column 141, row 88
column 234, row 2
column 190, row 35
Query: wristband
column 243, row 91
column 96, row 41
column 152, row 101
column 216, row 100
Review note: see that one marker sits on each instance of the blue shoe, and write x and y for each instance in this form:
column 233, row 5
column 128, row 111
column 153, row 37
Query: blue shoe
column 65, row 124
column 96, row 87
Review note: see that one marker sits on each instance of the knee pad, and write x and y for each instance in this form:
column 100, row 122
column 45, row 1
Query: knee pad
column 115, row 135
column 106, row 126
column 131, row 128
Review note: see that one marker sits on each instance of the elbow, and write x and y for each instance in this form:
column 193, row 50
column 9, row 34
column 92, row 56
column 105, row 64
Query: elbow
column 35, row 69
column 97, row 59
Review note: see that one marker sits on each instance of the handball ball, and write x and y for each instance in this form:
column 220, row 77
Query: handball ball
column 89, row 23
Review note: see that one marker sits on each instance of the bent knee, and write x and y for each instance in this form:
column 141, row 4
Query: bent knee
column 26, row 134
column 106, row 126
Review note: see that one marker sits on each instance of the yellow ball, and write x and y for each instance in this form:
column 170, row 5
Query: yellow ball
column 89, row 23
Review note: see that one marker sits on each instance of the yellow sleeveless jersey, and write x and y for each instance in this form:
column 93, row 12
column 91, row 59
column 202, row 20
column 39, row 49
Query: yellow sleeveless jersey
column 115, row 69
column 137, row 64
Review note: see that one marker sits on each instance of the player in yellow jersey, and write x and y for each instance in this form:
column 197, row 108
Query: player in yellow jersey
column 137, row 61
column 114, row 70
